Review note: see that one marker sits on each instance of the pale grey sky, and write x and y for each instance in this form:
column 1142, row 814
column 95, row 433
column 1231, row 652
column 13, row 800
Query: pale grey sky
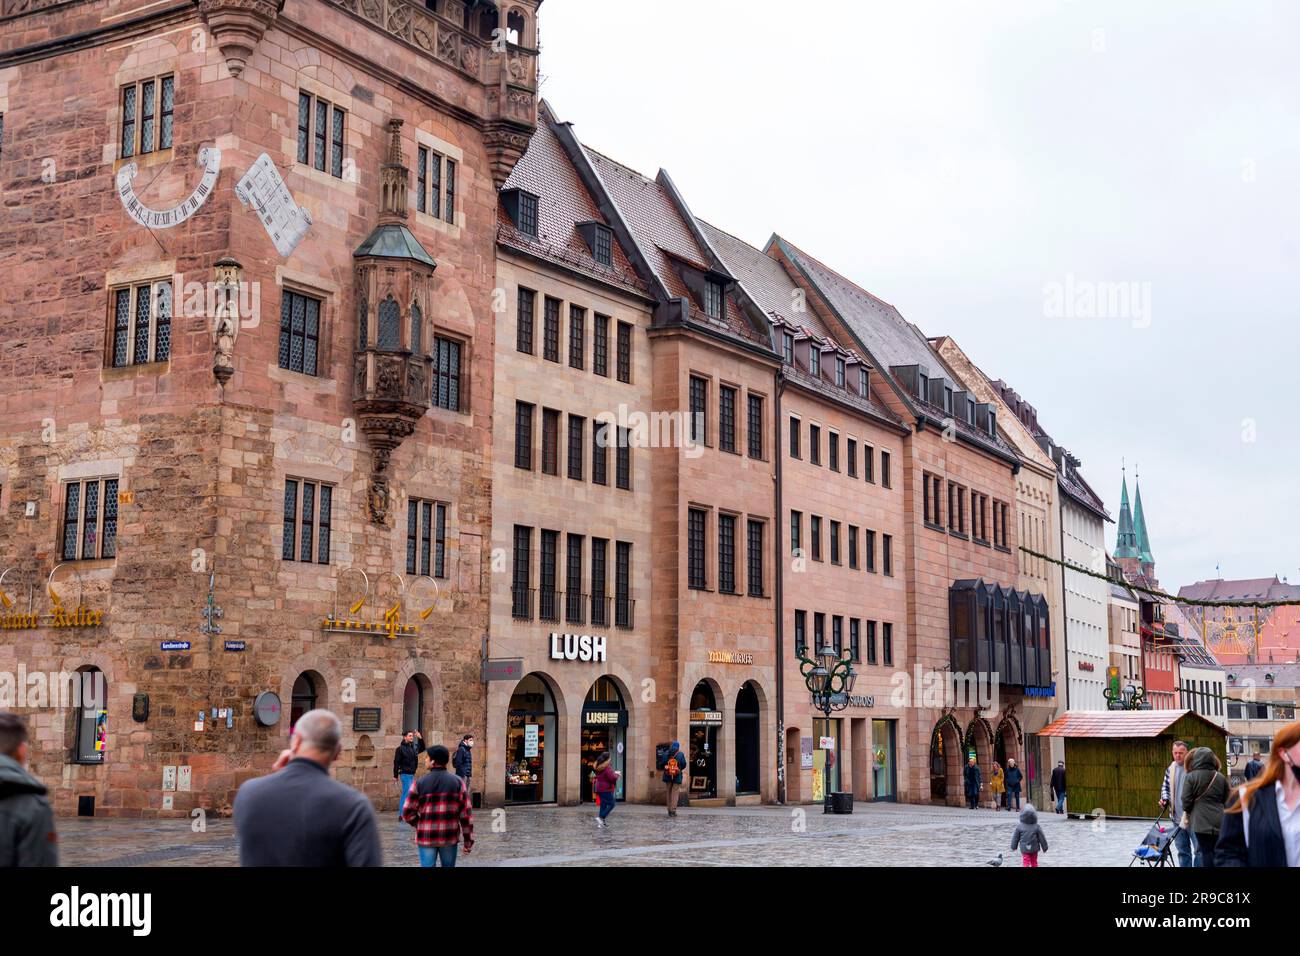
column 959, row 159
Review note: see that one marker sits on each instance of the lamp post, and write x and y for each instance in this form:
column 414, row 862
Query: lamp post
column 830, row 678
column 1130, row 698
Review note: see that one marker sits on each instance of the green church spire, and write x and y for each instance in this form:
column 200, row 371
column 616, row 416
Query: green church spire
column 1126, row 543
column 1140, row 529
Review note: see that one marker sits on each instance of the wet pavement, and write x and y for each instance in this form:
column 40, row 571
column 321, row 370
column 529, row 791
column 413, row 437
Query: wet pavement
column 879, row 834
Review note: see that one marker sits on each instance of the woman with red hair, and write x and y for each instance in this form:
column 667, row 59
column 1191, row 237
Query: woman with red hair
column 1262, row 826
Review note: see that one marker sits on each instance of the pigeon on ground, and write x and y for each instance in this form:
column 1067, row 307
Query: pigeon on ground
column 997, row 862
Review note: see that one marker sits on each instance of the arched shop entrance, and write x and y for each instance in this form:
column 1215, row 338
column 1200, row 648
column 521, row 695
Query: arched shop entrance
column 945, row 762
column 604, row 727
column 307, row 695
column 706, row 720
column 414, row 702
column 531, row 742
column 747, row 748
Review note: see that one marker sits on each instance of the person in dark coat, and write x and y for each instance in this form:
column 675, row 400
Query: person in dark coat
column 27, row 834
column 1261, row 827
column 1015, row 778
column 674, row 780
column 1205, row 791
column 298, row 815
column 463, row 761
column 1058, row 786
column 1254, row 767
column 406, row 761
column 973, row 784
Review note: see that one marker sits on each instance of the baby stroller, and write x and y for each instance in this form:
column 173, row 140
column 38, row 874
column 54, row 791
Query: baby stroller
column 1157, row 845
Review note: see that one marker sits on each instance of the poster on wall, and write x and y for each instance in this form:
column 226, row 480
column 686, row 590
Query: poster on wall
column 530, row 739
column 819, row 775
column 101, row 731
column 805, row 753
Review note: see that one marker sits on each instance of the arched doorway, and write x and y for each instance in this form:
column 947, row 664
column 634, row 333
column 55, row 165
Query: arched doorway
column 415, row 701
column 531, row 742
column 747, row 747
column 945, row 762
column 706, row 719
column 978, row 741
column 604, row 728
column 308, row 694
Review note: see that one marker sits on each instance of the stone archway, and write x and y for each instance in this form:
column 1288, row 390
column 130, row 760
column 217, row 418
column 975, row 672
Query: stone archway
column 946, row 762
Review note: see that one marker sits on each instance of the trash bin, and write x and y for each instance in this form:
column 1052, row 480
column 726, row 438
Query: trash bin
column 841, row 802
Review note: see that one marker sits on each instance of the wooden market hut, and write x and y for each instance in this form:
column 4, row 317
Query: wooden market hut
column 1115, row 760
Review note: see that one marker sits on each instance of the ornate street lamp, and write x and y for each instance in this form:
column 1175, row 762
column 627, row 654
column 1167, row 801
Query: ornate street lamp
column 1130, row 698
column 830, row 679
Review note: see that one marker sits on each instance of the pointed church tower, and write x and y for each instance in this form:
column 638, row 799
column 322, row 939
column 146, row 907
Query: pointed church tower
column 1126, row 541
column 1140, row 531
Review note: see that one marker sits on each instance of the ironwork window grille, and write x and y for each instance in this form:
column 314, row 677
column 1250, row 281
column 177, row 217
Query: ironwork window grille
column 524, row 435
column 695, row 549
column 524, row 321
column 754, row 557
column 624, row 352
column 577, row 336
column 727, row 553
column 551, row 330
column 548, row 609
column 142, row 324
column 521, row 603
column 623, row 584
column 573, row 603
column 446, row 373
column 307, row 512
column 89, row 519
column 300, row 332
column 727, row 418
column 599, row 571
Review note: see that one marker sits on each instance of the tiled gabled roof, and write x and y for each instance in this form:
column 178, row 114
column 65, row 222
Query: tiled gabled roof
column 1118, row 723
column 562, row 202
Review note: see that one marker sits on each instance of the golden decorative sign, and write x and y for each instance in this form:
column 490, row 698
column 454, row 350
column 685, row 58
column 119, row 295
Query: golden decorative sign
column 730, row 657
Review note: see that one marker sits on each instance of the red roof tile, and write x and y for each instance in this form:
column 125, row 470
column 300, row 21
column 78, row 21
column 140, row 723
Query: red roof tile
column 1116, row 723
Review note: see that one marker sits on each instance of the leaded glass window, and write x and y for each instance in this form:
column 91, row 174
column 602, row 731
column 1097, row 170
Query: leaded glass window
column 390, row 326
column 141, row 324
column 299, row 332
column 446, row 373
column 89, row 519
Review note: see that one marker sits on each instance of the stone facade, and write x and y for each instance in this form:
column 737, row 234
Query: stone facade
column 202, row 469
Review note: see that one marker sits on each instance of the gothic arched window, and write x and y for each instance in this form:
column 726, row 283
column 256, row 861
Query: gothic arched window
column 390, row 326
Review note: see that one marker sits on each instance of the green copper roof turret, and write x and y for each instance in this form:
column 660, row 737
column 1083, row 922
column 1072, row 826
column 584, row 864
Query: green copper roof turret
column 1140, row 529
column 1126, row 542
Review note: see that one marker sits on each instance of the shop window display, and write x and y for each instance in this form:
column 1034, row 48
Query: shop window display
column 530, row 743
column 604, row 728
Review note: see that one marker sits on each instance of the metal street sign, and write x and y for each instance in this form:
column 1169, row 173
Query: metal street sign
column 503, row 668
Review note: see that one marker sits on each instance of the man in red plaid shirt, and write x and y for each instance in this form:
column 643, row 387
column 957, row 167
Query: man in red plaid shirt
column 438, row 807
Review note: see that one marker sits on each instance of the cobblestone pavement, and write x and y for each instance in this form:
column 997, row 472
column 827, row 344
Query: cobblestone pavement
column 874, row 835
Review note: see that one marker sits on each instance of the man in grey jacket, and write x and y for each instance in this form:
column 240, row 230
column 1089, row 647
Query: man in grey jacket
column 27, row 835
column 298, row 815
column 1171, row 795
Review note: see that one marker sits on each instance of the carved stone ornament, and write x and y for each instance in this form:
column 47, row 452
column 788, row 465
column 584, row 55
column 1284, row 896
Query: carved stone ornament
column 504, row 144
column 237, row 26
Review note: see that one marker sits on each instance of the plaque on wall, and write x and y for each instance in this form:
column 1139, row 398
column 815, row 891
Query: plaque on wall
column 366, row 719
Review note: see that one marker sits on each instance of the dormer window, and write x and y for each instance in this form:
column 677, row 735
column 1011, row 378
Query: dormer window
column 815, row 360
column 839, row 372
column 923, row 386
column 947, row 401
column 864, row 383
column 970, row 411
column 787, row 348
column 528, row 214
column 713, row 299
column 603, row 248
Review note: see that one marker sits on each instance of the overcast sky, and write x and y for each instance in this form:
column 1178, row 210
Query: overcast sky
column 984, row 167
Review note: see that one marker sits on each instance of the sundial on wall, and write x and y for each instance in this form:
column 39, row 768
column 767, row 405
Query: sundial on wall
column 209, row 158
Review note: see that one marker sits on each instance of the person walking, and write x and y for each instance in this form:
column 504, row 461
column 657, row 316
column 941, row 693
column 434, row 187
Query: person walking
column 998, row 785
column 1204, row 792
column 1058, row 786
column 1171, row 796
column 298, row 815
column 674, row 773
column 438, row 806
column 973, row 784
column 604, row 786
column 27, row 834
column 463, row 761
column 1261, row 826
column 1029, row 837
column 1254, row 767
column 406, row 761
column 1015, row 778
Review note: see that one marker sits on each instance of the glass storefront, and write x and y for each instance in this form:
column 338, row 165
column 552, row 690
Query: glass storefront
column 530, row 743
column 826, row 757
column 883, row 776
column 706, row 719
column 604, row 728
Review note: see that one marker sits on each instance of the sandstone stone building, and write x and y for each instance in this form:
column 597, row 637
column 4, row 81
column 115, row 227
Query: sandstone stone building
column 311, row 453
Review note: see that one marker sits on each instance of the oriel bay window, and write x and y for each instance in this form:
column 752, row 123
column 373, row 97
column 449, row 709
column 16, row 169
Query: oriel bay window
column 142, row 324
column 426, row 538
column 299, row 332
column 147, row 115
column 307, row 508
column 320, row 134
column 89, row 519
